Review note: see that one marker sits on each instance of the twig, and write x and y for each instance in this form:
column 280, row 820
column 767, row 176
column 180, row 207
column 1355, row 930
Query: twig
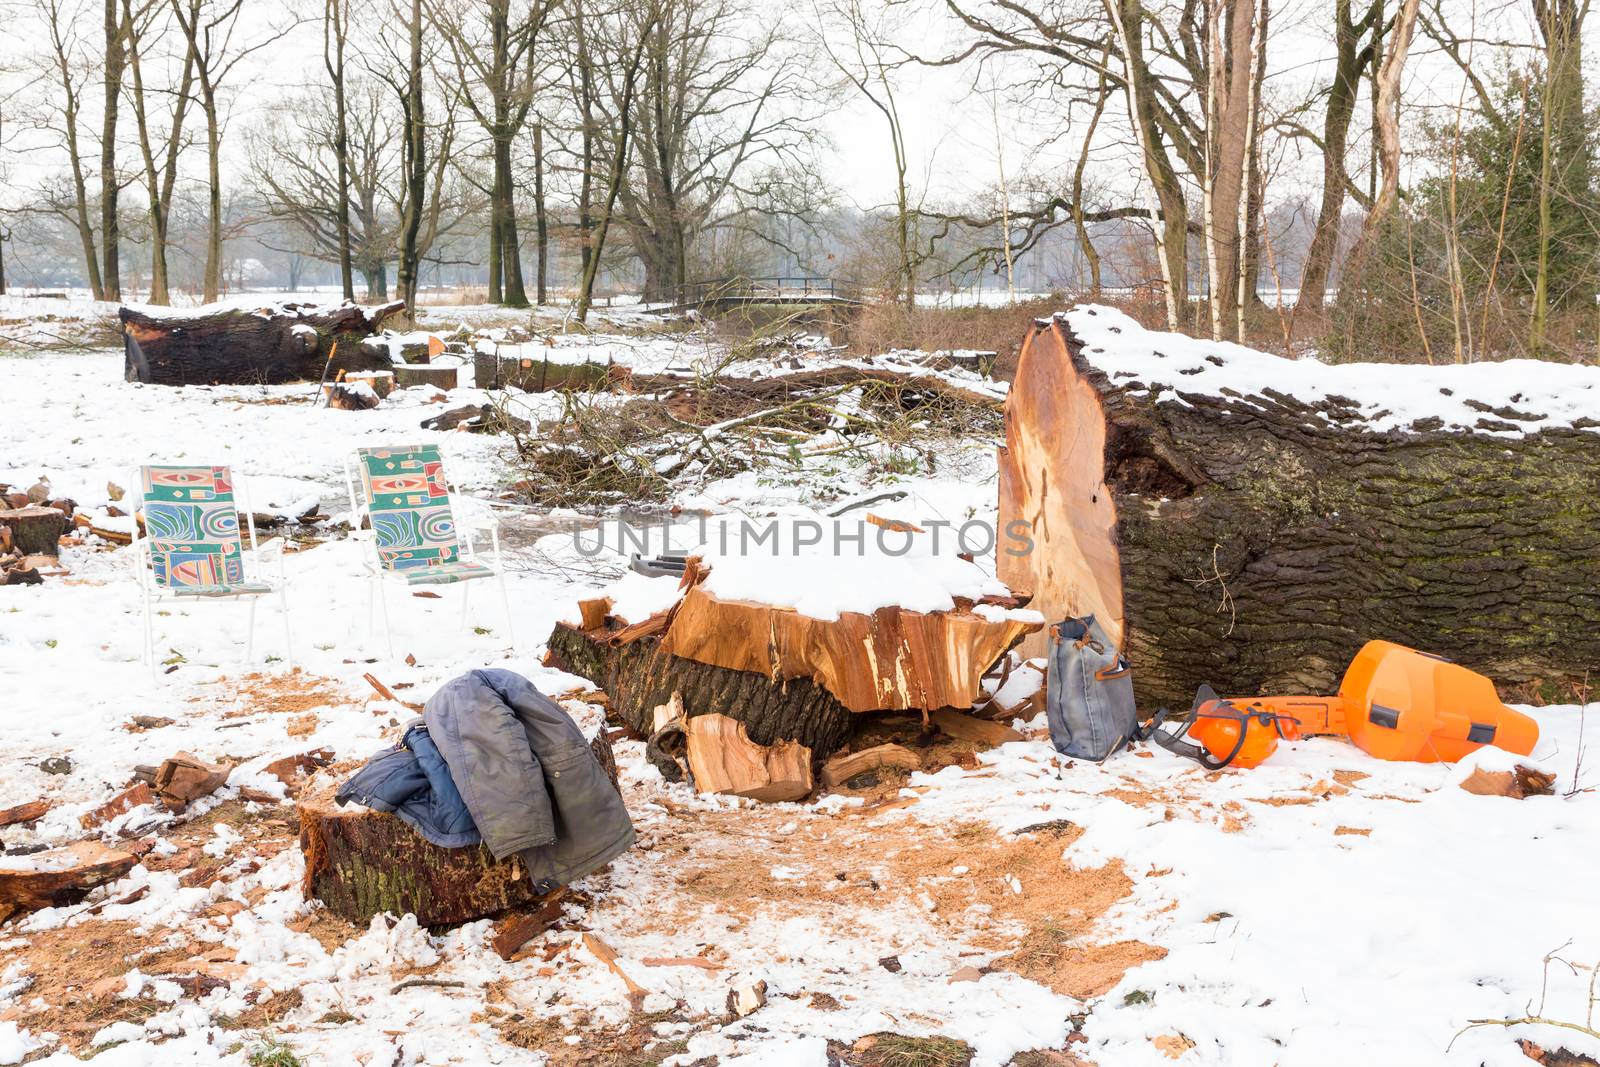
column 440, row 983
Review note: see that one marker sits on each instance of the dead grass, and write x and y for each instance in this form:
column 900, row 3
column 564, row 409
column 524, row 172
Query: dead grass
column 898, row 1050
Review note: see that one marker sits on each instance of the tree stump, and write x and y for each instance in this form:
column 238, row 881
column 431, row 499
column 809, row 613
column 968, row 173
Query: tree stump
column 361, row 862
column 639, row 675
column 1234, row 518
column 35, row 530
column 217, row 345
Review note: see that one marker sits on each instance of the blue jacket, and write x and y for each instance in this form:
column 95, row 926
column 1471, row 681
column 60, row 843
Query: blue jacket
column 412, row 781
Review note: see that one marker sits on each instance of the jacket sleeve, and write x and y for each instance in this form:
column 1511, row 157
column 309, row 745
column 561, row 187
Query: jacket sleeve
column 492, row 764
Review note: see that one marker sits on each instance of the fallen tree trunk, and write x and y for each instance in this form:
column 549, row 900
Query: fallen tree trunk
column 361, row 862
column 1247, row 521
column 251, row 346
column 639, row 675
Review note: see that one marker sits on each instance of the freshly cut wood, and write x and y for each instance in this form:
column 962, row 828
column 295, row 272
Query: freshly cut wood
column 105, row 533
column 724, row 760
column 893, row 659
column 969, row 728
column 1241, row 520
column 59, row 876
column 840, row 769
column 592, row 612
column 343, row 396
column 638, row 676
column 252, row 346
column 124, row 802
column 514, row 931
column 608, row 956
column 361, row 862
column 492, row 371
column 1519, row 782
column 291, row 770
column 185, row 777
column 381, row 382
column 35, row 529
column 24, row 813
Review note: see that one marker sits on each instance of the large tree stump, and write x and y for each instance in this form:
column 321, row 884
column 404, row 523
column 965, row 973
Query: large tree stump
column 361, row 862
column 251, row 346
column 639, row 675
column 1247, row 521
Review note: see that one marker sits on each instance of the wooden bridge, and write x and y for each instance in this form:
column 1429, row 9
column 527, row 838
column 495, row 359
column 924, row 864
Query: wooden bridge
column 721, row 294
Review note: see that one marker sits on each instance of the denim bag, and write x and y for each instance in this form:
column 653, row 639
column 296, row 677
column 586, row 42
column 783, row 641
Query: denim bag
column 1088, row 692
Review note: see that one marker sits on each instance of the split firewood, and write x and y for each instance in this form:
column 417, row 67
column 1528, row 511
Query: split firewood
column 32, row 811
column 745, row 999
column 116, row 537
column 967, row 728
column 682, row 961
column 342, row 397
column 185, row 777
column 608, row 956
column 724, row 760
column 514, row 931
column 290, row 769
column 1518, row 783
column 840, row 769
column 667, row 750
column 592, row 612
column 124, row 802
column 670, row 712
column 59, row 876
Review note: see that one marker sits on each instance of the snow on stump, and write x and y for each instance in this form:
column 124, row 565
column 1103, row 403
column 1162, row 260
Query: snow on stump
column 34, row 530
column 1248, row 521
column 783, row 674
column 223, row 345
column 361, row 862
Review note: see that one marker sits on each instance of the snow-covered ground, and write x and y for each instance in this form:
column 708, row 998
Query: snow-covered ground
column 1325, row 908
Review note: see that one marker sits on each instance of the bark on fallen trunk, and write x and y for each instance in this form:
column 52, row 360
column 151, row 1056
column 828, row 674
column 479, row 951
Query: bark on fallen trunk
column 639, row 675
column 1253, row 539
column 250, row 346
column 360, row 862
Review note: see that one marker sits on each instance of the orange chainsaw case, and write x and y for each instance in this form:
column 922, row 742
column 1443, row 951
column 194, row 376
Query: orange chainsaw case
column 1396, row 703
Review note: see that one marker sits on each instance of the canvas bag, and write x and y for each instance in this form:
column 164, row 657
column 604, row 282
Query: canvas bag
column 1088, row 692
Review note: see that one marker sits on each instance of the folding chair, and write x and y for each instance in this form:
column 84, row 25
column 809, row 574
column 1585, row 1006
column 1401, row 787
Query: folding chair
column 413, row 535
column 191, row 548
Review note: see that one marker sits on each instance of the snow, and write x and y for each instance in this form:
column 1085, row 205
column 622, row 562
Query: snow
column 1532, row 395
column 1292, row 937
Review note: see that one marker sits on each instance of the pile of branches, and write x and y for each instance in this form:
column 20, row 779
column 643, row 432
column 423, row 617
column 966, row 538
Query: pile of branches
column 671, row 432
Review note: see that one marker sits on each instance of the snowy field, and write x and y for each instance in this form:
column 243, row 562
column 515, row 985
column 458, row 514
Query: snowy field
column 1324, row 909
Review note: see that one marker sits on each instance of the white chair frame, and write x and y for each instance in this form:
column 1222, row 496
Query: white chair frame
column 362, row 532
column 151, row 592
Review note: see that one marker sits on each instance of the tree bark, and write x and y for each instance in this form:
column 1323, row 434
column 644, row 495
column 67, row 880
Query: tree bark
column 335, row 32
column 639, row 675
column 413, row 167
column 249, row 346
column 361, row 862
column 115, row 57
column 1255, row 542
column 540, row 219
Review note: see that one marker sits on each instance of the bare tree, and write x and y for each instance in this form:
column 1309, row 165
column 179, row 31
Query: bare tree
column 335, row 33
column 160, row 163
column 210, row 28
column 116, row 42
column 493, row 47
column 69, row 66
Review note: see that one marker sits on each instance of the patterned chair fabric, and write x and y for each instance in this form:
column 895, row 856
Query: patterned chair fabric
column 409, row 505
column 193, row 531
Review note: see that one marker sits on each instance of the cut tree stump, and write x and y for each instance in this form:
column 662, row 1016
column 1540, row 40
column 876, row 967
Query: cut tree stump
column 59, row 876
column 639, row 675
column 442, row 376
column 35, row 530
column 1254, row 536
column 251, row 346
column 361, row 862
column 724, row 760
column 894, row 659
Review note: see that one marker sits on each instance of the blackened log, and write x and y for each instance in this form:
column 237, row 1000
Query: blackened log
column 251, row 346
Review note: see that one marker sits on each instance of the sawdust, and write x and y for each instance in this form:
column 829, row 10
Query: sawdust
column 1083, row 971
column 295, row 691
column 1350, row 777
column 1359, row 831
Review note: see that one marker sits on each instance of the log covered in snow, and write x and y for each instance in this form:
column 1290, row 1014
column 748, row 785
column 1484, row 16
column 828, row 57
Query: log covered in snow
column 226, row 345
column 361, row 862
column 1248, row 521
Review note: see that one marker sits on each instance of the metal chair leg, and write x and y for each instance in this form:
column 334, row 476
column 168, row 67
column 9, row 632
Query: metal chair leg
column 383, row 603
column 288, row 639
column 250, row 641
column 505, row 600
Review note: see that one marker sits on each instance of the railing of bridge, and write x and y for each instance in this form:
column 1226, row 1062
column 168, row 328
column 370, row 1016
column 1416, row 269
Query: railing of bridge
column 778, row 288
